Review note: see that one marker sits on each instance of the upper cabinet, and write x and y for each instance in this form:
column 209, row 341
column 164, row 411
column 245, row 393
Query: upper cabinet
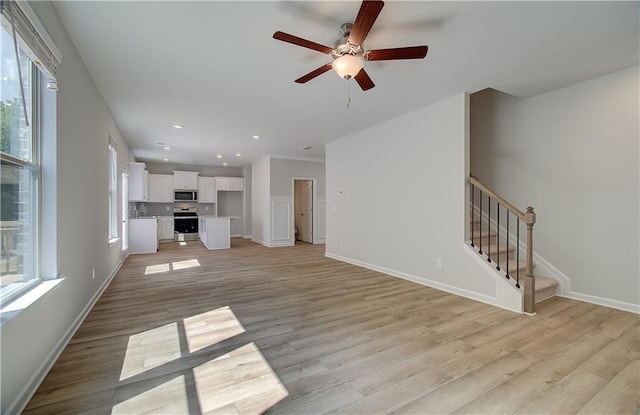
column 161, row 188
column 230, row 184
column 207, row 190
column 185, row 180
column 138, row 182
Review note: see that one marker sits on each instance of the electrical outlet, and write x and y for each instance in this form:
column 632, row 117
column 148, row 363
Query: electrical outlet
column 341, row 244
column 439, row 263
column 167, row 208
column 93, row 273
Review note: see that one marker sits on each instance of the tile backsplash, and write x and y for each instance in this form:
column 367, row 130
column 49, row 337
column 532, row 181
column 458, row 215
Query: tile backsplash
column 137, row 209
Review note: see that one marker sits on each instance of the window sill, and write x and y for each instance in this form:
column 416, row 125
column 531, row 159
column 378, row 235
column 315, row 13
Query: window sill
column 113, row 241
column 29, row 294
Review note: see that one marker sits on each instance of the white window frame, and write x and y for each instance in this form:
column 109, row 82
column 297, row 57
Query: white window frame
column 125, row 211
column 113, row 195
column 20, row 20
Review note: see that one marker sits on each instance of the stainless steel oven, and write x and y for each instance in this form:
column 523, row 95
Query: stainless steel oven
column 185, row 224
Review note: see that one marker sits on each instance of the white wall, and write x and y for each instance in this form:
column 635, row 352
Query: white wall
column 284, row 170
column 573, row 155
column 396, row 202
column 260, row 211
column 32, row 339
column 272, row 199
column 246, row 172
column 205, row 171
column 283, row 173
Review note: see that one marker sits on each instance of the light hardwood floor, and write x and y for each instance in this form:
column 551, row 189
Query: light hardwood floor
column 252, row 330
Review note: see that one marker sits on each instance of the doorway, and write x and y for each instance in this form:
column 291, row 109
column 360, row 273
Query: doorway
column 303, row 209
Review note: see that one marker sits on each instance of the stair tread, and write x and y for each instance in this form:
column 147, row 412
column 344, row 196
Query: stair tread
column 542, row 283
column 494, row 248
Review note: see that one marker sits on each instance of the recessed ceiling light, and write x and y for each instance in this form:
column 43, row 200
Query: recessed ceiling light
column 224, row 164
column 167, row 148
column 165, row 159
column 255, row 137
column 219, row 156
column 238, row 155
column 178, row 126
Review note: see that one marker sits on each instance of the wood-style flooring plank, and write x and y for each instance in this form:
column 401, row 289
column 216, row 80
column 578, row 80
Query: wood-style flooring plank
column 254, row 330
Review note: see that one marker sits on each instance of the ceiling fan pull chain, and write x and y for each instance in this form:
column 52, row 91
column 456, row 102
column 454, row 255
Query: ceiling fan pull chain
column 348, row 94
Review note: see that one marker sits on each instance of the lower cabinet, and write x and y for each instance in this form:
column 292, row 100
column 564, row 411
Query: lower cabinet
column 143, row 237
column 165, row 228
column 215, row 232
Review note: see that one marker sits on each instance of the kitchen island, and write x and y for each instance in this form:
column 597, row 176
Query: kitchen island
column 215, row 231
column 143, row 235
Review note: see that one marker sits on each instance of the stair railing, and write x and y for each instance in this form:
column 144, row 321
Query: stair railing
column 481, row 198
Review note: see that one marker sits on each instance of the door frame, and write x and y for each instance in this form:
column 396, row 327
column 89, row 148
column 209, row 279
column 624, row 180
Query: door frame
column 314, row 203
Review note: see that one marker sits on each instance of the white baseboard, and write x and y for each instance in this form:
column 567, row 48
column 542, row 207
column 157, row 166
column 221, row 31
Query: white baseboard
column 259, row 241
column 605, row 302
column 281, row 244
column 246, row 236
column 424, row 281
column 22, row 399
column 548, row 270
column 273, row 244
column 545, row 269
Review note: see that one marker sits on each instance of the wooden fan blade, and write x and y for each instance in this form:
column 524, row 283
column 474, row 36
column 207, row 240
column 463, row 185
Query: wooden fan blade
column 411, row 52
column 369, row 11
column 362, row 78
column 285, row 37
column 313, row 74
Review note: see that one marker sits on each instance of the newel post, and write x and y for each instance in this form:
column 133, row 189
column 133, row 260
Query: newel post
column 529, row 280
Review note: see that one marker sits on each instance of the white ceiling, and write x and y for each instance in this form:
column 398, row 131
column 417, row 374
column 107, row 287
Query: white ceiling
column 214, row 67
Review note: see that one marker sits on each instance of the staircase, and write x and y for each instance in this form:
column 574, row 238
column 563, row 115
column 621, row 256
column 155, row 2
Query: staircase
column 497, row 228
column 503, row 254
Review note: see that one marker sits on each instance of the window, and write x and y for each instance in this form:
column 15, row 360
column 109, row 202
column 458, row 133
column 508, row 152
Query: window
column 22, row 102
column 20, row 170
column 125, row 211
column 113, row 194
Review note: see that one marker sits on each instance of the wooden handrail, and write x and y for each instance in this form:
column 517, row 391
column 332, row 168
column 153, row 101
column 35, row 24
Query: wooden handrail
column 529, row 218
column 474, row 180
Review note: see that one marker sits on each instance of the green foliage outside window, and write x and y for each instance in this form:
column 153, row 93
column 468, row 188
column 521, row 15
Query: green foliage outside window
column 10, row 124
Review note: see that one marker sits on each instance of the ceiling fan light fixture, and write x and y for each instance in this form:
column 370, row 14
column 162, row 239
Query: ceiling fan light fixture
column 347, row 66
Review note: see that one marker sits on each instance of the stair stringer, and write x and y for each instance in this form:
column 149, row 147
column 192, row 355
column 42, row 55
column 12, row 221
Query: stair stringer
column 507, row 295
column 542, row 266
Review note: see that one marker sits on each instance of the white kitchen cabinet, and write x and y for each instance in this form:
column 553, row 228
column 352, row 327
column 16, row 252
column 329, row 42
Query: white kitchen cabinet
column 207, row 190
column 165, row 226
column 143, row 236
column 235, row 184
column 185, row 180
column 161, row 188
column 215, row 232
column 138, row 182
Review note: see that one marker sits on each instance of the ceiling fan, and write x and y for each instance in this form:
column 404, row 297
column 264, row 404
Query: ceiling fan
column 349, row 54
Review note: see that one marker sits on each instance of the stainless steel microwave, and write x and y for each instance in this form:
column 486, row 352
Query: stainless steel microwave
column 185, row 196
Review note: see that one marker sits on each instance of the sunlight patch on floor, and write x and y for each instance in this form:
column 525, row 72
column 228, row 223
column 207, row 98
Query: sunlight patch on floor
column 167, row 398
column 175, row 266
column 190, row 263
column 242, row 377
column 156, row 269
column 238, row 381
column 206, row 329
column 150, row 349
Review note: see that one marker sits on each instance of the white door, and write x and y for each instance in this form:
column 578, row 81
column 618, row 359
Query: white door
column 304, row 210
